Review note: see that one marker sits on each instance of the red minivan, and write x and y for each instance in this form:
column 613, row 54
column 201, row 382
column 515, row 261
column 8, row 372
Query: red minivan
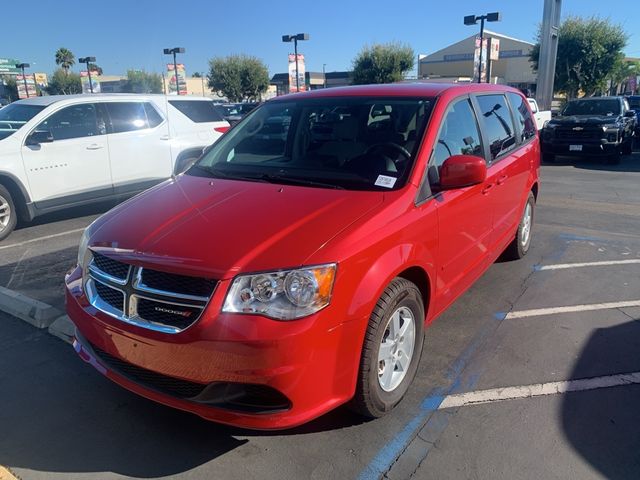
column 294, row 267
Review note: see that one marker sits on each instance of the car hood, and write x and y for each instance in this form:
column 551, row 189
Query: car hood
column 584, row 120
column 217, row 228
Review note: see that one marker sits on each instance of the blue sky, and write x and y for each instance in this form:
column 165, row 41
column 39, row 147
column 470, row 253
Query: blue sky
column 126, row 34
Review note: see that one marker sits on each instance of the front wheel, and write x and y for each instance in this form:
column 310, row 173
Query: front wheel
column 520, row 245
column 8, row 213
column 392, row 349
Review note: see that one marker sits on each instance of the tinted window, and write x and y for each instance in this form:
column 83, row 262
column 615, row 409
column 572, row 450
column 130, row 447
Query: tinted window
column 458, row 135
column 524, row 119
column 74, row 121
column 127, row 116
column 497, row 123
column 14, row 116
column 198, row 111
column 153, row 116
column 634, row 103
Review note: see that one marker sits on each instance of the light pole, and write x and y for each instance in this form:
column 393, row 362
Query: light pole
column 87, row 60
column 294, row 39
column 24, row 77
column 473, row 20
column 169, row 51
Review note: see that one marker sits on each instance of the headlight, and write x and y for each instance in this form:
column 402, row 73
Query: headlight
column 84, row 244
column 283, row 295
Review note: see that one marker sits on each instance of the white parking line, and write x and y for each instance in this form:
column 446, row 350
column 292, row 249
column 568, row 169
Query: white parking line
column 39, row 239
column 562, row 266
column 538, row 389
column 573, row 308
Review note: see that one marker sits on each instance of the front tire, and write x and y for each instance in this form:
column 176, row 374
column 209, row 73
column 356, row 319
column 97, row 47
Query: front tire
column 392, row 349
column 8, row 213
column 520, row 245
column 548, row 158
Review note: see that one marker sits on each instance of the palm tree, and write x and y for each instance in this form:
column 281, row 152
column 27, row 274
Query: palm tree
column 65, row 59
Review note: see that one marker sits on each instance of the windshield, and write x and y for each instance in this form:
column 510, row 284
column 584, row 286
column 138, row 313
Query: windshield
column 356, row 143
column 15, row 116
column 603, row 106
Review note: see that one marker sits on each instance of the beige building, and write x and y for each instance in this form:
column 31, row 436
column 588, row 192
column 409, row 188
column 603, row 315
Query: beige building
column 455, row 62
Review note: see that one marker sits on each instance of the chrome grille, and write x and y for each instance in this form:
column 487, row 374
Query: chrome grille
column 147, row 298
column 585, row 134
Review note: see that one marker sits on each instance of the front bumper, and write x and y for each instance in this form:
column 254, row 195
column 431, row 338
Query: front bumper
column 294, row 371
column 590, row 148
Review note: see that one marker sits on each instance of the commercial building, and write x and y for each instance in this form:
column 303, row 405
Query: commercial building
column 456, row 62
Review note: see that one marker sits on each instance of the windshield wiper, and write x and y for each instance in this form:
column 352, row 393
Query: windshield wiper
column 217, row 173
column 269, row 177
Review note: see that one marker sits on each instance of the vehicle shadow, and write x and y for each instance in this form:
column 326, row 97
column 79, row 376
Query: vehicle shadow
column 603, row 425
column 59, row 415
column 70, row 213
column 628, row 163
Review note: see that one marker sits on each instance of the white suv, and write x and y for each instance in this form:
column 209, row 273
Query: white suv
column 66, row 150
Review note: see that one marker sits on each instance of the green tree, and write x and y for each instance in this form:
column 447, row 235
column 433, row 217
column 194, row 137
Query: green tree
column 65, row 59
column 10, row 87
column 588, row 51
column 238, row 77
column 382, row 63
column 620, row 73
column 63, row 83
column 95, row 68
column 139, row 81
column 197, row 75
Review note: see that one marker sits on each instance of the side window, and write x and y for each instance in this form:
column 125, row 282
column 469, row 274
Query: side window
column 526, row 123
column 127, row 116
column 74, row 121
column 497, row 123
column 458, row 135
column 153, row 116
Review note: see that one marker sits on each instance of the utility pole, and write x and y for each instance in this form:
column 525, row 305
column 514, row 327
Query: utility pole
column 548, row 53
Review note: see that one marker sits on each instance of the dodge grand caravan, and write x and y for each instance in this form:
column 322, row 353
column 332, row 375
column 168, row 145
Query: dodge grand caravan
column 294, row 267
column 65, row 150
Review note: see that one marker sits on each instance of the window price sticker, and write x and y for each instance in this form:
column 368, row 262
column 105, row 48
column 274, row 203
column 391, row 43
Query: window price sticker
column 384, row 181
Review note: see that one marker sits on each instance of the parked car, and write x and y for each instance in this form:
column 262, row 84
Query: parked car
column 282, row 276
column 234, row 112
column 62, row 151
column 541, row 116
column 634, row 104
column 596, row 126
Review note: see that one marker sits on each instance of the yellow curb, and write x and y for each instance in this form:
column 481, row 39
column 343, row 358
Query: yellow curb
column 6, row 474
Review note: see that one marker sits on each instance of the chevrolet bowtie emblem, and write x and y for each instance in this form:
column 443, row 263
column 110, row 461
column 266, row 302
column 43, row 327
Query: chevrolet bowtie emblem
column 578, row 129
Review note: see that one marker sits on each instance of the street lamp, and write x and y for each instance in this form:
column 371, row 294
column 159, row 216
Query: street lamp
column 473, row 20
column 169, row 51
column 24, row 78
column 294, row 39
column 87, row 60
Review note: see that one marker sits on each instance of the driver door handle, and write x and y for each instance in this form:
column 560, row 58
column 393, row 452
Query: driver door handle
column 94, row 146
column 165, row 137
column 487, row 188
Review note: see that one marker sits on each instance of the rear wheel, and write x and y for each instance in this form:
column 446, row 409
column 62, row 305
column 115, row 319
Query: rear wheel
column 520, row 245
column 8, row 213
column 391, row 350
column 614, row 158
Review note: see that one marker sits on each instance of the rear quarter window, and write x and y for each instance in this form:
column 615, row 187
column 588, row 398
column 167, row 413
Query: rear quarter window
column 198, row 111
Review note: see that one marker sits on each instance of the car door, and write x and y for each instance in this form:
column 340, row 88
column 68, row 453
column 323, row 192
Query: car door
column 139, row 146
column 75, row 165
column 508, row 166
column 464, row 214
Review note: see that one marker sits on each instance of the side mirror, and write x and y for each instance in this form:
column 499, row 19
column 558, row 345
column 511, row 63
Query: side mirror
column 462, row 171
column 630, row 113
column 39, row 136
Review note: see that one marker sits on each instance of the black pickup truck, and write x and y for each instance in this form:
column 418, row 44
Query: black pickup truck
column 597, row 126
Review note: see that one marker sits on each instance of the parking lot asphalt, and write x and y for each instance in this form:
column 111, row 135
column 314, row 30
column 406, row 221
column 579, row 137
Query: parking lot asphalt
column 568, row 311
